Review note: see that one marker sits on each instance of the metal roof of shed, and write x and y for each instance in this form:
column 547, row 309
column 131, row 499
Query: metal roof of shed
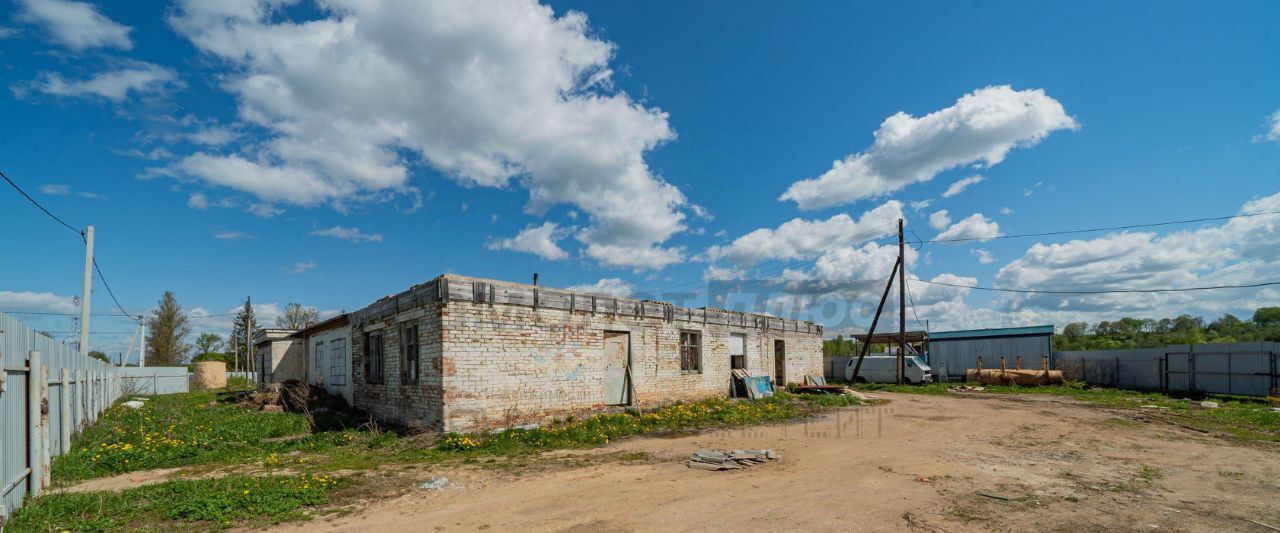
column 993, row 332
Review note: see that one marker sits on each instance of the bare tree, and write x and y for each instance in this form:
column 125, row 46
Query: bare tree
column 297, row 317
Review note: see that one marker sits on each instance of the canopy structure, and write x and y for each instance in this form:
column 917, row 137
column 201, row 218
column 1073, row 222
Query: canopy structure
column 915, row 340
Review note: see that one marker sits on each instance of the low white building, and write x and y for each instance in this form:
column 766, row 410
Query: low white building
column 279, row 357
column 327, row 354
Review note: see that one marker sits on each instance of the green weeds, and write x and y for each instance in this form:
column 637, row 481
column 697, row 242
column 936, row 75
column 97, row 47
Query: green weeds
column 202, row 504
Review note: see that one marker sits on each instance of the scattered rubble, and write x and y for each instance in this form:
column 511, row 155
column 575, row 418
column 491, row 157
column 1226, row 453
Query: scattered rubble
column 436, row 483
column 730, row 459
column 966, row 388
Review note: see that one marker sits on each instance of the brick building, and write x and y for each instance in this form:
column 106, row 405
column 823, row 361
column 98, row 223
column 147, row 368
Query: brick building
column 464, row 354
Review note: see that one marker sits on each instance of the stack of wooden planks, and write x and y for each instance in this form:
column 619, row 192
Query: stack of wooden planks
column 730, row 459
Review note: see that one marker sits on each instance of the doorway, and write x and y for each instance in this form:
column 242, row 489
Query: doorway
column 617, row 368
column 780, row 363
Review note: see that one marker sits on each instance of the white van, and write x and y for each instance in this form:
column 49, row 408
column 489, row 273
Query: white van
column 883, row 369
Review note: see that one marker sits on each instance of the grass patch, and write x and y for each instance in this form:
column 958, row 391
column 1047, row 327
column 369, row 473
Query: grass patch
column 200, row 505
column 1245, row 418
column 679, row 417
column 189, row 429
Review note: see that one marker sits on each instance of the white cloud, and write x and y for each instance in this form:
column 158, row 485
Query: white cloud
column 975, row 227
column 983, row 256
column 609, row 286
column 1033, row 188
column 1241, row 251
column 536, row 240
column 114, row 85
column 300, row 267
column 348, row 234
column 982, row 127
column 501, row 93
column 212, row 136
column 56, row 189
column 76, row 25
column 42, row 302
column 198, row 201
column 798, row 238
column 921, row 205
column 940, row 220
column 1274, row 133
column 229, row 235
column 960, row 185
column 155, row 154
column 1006, row 211
column 264, row 210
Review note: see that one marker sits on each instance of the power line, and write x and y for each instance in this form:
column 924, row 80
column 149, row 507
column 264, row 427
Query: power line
column 81, row 233
column 113, row 295
column 835, row 242
column 1107, row 228
column 41, row 207
column 1109, row 291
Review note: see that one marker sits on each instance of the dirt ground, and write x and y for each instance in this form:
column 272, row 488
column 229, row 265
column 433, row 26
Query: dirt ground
column 915, row 463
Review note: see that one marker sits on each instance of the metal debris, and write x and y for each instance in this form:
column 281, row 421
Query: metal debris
column 729, row 459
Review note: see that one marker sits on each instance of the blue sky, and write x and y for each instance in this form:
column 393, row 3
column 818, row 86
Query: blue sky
column 331, row 154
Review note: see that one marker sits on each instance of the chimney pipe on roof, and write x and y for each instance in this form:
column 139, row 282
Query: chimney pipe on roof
column 535, row 279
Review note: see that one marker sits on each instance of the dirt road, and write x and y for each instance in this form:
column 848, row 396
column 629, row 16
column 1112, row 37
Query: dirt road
column 913, row 464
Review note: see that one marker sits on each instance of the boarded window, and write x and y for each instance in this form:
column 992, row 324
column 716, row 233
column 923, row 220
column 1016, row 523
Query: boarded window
column 409, row 352
column 690, row 351
column 373, row 357
column 738, row 351
column 338, row 362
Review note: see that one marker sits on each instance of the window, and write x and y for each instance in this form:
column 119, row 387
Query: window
column 737, row 351
column 338, row 362
column 373, row 357
column 409, row 352
column 690, row 351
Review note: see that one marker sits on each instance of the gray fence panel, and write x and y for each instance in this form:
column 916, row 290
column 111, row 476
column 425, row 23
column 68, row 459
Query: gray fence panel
column 62, row 407
column 1244, row 368
column 153, row 380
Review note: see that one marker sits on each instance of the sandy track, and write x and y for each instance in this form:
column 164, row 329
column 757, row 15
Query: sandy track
column 913, row 464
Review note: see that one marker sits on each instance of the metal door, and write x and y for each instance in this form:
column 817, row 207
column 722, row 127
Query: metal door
column 617, row 363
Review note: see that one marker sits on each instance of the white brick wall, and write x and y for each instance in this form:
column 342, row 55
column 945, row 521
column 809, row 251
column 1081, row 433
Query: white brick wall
column 487, row 365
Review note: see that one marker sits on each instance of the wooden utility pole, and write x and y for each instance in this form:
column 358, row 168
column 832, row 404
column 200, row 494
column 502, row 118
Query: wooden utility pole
column 866, row 346
column 86, row 291
column 902, row 303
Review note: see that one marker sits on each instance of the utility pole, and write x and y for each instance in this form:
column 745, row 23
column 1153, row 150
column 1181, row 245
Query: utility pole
column 248, row 333
column 88, row 288
column 902, row 302
column 142, row 356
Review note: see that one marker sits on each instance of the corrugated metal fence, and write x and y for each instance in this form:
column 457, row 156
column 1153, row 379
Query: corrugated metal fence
column 154, row 380
column 48, row 391
column 1240, row 368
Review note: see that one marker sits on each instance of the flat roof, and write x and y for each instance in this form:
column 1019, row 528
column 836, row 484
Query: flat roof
column 892, row 337
column 992, row 332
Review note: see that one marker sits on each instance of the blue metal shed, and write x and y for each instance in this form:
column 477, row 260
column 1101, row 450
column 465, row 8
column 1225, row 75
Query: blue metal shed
column 951, row 353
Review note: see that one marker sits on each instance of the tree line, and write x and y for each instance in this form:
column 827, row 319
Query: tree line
column 1127, row 333
column 170, row 326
